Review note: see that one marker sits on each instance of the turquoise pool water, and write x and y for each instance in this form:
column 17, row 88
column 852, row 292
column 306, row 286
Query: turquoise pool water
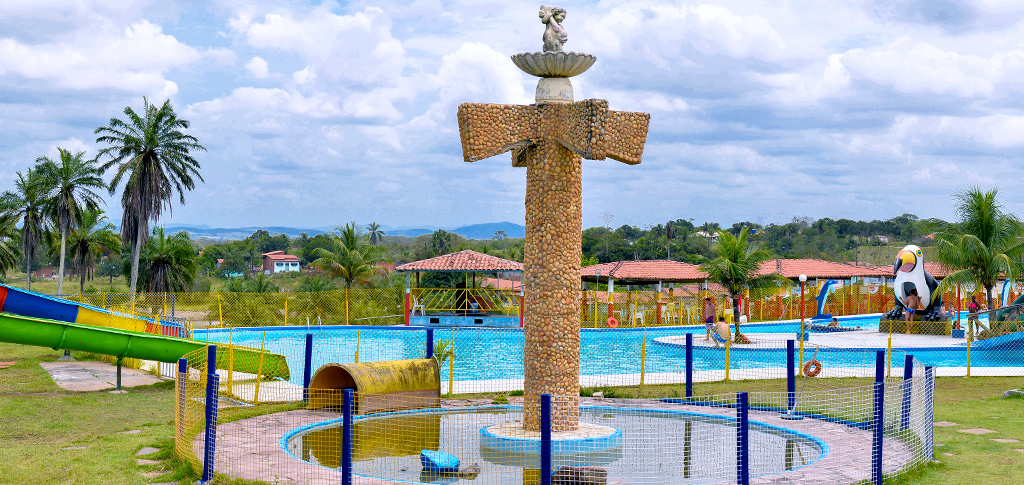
column 496, row 353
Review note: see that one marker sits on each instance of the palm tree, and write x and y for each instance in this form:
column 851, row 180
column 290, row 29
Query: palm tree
column 69, row 192
column 93, row 237
column 170, row 262
column 26, row 203
column 351, row 260
column 983, row 245
column 8, row 248
column 153, row 159
column 736, row 268
column 374, row 232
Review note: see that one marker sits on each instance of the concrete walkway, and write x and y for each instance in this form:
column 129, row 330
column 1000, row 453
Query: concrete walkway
column 856, row 339
column 95, row 376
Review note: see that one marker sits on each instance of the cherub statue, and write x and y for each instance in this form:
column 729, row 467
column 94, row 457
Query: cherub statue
column 554, row 34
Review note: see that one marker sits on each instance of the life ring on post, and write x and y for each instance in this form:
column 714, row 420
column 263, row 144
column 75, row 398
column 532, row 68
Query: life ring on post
column 613, row 323
column 812, row 368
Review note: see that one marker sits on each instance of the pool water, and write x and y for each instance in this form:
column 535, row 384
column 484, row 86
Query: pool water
column 497, row 353
column 657, row 446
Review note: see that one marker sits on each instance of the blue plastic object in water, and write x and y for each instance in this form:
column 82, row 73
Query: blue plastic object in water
column 439, row 462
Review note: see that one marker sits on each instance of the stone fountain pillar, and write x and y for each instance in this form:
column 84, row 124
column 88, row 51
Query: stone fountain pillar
column 550, row 139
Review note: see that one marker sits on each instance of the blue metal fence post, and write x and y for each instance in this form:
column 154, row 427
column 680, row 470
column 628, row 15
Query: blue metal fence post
column 430, row 343
column 689, row 365
column 307, row 371
column 907, row 387
column 545, row 439
column 210, row 438
column 742, row 440
column 876, row 433
column 791, row 374
column 211, row 359
column 880, row 366
column 346, row 439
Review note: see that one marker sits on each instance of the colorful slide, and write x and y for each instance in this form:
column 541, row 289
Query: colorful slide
column 32, row 319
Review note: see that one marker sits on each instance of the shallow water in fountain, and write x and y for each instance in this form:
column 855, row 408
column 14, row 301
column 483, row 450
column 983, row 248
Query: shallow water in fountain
column 666, row 447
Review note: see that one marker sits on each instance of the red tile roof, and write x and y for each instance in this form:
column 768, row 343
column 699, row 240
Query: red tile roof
column 280, row 257
column 657, row 270
column 936, row 269
column 817, row 268
column 463, row 261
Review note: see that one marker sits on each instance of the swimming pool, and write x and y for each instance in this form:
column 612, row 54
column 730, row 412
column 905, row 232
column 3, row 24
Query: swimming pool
column 483, row 354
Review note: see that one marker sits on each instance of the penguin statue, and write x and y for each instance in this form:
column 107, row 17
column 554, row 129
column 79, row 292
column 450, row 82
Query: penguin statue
column 910, row 274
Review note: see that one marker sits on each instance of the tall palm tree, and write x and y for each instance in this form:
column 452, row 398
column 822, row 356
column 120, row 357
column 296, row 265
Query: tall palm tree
column 70, row 184
column 170, row 262
column 375, row 233
column 153, row 158
column 983, row 245
column 93, row 237
column 351, row 259
column 736, row 267
column 8, row 246
column 26, row 203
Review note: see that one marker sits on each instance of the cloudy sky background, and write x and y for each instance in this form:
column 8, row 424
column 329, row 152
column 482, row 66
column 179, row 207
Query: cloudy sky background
column 318, row 113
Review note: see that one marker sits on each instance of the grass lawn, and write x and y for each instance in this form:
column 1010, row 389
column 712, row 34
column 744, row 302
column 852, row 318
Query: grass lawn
column 38, row 422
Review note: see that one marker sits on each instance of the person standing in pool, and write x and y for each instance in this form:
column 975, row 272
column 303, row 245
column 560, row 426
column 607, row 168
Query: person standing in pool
column 708, row 315
column 912, row 304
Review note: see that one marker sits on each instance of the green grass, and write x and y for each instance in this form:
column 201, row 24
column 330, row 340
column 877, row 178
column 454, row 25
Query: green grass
column 39, row 420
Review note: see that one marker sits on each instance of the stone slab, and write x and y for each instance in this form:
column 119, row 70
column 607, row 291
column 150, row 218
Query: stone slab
column 1004, row 440
column 1019, row 450
column 130, row 431
column 4, row 365
column 945, row 424
column 143, row 462
column 148, row 450
column 976, row 431
column 95, row 376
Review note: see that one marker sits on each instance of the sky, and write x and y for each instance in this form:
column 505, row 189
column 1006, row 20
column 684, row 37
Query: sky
column 314, row 114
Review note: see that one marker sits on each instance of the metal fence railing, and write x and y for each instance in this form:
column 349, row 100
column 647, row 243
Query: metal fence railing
column 853, row 425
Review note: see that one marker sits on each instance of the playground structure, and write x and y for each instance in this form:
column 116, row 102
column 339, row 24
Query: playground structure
column 32, row 319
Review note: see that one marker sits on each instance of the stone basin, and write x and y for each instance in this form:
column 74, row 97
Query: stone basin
column 553, row 64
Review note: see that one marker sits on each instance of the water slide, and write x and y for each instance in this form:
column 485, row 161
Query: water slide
column 29, row 318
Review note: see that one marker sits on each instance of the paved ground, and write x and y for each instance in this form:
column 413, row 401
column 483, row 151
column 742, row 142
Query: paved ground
column 95, row 376
column 251, row 448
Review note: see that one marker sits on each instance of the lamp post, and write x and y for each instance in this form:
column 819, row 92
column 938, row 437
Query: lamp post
column 803, row 282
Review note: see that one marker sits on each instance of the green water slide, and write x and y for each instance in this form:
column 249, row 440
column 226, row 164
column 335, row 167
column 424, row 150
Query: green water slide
column 59, row 335
column 1001, row 315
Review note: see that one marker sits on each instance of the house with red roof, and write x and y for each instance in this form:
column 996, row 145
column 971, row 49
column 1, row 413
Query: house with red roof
column 279, row 262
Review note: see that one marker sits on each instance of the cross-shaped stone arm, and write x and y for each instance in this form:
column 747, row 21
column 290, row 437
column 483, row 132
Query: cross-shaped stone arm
column 587, row 127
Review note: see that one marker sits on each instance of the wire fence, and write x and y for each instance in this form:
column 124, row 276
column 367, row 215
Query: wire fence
column 393, row 420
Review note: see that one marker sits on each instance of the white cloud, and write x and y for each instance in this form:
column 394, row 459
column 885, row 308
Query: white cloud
column 248, row 100
column 304, row 76
column 257, row 67
column 134, row 59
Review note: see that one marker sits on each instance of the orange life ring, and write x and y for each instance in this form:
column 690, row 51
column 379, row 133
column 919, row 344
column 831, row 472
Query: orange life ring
column 812, row 368
column 613, row 323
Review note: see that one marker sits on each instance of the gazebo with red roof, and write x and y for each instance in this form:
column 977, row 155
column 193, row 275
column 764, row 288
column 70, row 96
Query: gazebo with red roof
column 467, row 261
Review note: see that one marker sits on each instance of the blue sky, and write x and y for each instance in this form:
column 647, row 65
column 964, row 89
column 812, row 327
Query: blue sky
column 318, row 113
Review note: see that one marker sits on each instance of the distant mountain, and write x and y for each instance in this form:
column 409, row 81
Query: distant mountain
column 487, row 230
column 473, row 231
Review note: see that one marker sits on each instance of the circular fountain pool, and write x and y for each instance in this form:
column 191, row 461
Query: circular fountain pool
column 657, row 446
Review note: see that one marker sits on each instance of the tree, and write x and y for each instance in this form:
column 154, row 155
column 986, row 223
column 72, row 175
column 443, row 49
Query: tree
column 110, row 267
column 349, row 258
column 93, row 237
column 170, row 262
column 26, row 203
column 153, row 158
column 374, row 232
column 69, row 186
column 8, row 246
column 983, row 245
column 736, row 266
column 441, row 242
